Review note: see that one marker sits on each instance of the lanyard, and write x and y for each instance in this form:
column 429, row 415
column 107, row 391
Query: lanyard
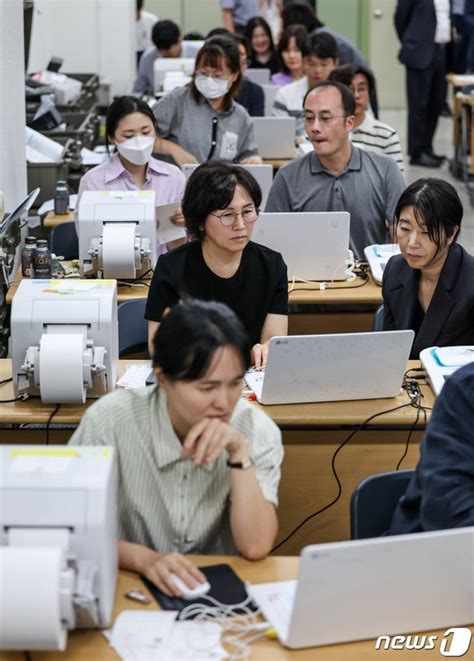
column 213, row 138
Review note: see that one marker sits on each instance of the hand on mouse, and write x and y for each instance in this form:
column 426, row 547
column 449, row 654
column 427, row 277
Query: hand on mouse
column 159, row 567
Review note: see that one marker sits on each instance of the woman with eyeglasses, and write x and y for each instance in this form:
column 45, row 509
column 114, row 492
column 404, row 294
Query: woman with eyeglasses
column 201, row 121
column 220, row 206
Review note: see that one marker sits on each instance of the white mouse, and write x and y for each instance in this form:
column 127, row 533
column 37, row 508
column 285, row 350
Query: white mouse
column 188, row 593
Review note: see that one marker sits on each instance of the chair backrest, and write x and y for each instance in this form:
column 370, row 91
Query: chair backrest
column 377, row 324
column 374, row 502
column 63, row 241
column 132, row 325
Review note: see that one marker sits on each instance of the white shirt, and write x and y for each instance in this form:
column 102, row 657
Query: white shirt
column 289, row 103
column 443, row 22
column 166, row 502
column 144, row 27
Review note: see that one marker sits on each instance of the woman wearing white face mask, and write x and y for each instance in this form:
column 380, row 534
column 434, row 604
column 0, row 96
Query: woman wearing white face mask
column 201, row 121
column 131, row 129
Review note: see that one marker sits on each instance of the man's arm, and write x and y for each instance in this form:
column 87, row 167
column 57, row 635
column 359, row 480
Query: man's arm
column 402, row 16
column 228, row 20
column 446, row 467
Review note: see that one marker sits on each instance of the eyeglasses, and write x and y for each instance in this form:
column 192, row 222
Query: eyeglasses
column 229, row 218
column 322, row 119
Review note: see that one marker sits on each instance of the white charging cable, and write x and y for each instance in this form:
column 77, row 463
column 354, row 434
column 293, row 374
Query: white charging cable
column 348, row 265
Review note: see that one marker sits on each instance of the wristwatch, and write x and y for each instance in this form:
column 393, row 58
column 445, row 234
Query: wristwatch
column 242, row 465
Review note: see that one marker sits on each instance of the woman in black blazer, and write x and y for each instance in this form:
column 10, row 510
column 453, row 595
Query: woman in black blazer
column 430, row 286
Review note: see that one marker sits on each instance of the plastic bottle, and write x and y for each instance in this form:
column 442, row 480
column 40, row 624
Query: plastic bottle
column 61, row 199
column 41, row 260
column 27, row 257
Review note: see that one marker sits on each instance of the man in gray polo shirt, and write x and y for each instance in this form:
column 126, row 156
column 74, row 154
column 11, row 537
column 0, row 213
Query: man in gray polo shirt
column 337, row 176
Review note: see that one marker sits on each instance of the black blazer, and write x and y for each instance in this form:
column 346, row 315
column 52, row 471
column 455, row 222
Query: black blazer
column 415, row 23
column 449, row 319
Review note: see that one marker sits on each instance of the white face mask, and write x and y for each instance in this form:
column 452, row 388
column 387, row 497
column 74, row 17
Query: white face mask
column 212, row 88
column 137, row 150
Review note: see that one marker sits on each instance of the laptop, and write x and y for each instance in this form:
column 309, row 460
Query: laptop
column 275, row 136
column 262, row 173
column 164, row 65
column 314, row 245
column 332, row 367
column 270, row 91
column 367, row 588
column 259, row 76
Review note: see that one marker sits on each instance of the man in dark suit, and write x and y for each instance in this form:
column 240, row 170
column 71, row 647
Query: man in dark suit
column 423, row 27
column 441, row 493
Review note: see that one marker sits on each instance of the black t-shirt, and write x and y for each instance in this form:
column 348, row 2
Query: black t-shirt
column 273, row 64
column 259, row 287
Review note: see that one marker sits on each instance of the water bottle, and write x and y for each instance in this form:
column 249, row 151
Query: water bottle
column 61, row 199
column 41, row 260
column 27, row 257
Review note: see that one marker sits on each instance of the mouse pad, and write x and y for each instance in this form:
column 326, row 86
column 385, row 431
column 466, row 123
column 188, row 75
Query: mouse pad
column 226, row 588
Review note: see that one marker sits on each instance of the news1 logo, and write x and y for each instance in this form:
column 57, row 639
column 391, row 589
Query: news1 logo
column 455, row 642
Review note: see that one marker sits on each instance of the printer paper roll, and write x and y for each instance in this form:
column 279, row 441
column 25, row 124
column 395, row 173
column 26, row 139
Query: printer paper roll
column 118, row 250
column 30, row 608
column 61, row 368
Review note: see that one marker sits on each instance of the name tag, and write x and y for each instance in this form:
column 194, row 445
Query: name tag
column 229, row 146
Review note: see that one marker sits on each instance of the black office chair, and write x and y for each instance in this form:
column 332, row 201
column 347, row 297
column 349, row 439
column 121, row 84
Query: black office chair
column 132, row 326
column 63, row 241
column 374, row 502
column 377, row 324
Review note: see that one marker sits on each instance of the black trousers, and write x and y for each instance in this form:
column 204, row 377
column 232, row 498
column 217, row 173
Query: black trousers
column 426, row 92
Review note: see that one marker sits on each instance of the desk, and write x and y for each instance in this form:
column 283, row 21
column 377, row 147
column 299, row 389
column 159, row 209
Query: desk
column 306, row 319
column 92, row 646
column 311, row 434
column 346, row 307
column 463, row 118
column 51, row 220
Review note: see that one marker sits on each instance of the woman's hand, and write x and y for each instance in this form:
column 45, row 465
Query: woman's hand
column 209, row 437
column 258, row 355
column 158, row 567
column 177, row 217
column 252, row 160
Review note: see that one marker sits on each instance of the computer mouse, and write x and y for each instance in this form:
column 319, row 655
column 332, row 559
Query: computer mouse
column 188, row 593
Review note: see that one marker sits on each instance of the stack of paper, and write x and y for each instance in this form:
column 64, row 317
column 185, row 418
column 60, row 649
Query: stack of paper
column 157, row 636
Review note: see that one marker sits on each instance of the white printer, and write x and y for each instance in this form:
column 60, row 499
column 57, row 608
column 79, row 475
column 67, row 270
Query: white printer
column 441, row 362
column 378, row 255
column 117, row 233
column 58, row 543
column 64, row 339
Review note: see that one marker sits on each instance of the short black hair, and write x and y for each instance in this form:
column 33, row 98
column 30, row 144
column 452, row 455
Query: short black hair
column 139, row 5
column 347, row 98
column 345, row 73
column 296, row 32
column 194, row 35
column 190, row 334
column 300, row 13
column 258, row 22
column 211, row 186
column 219, row 32
column 436, row 203
column 165, row 34
column 212, row 53
column 323, row 45
column 120, row 108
